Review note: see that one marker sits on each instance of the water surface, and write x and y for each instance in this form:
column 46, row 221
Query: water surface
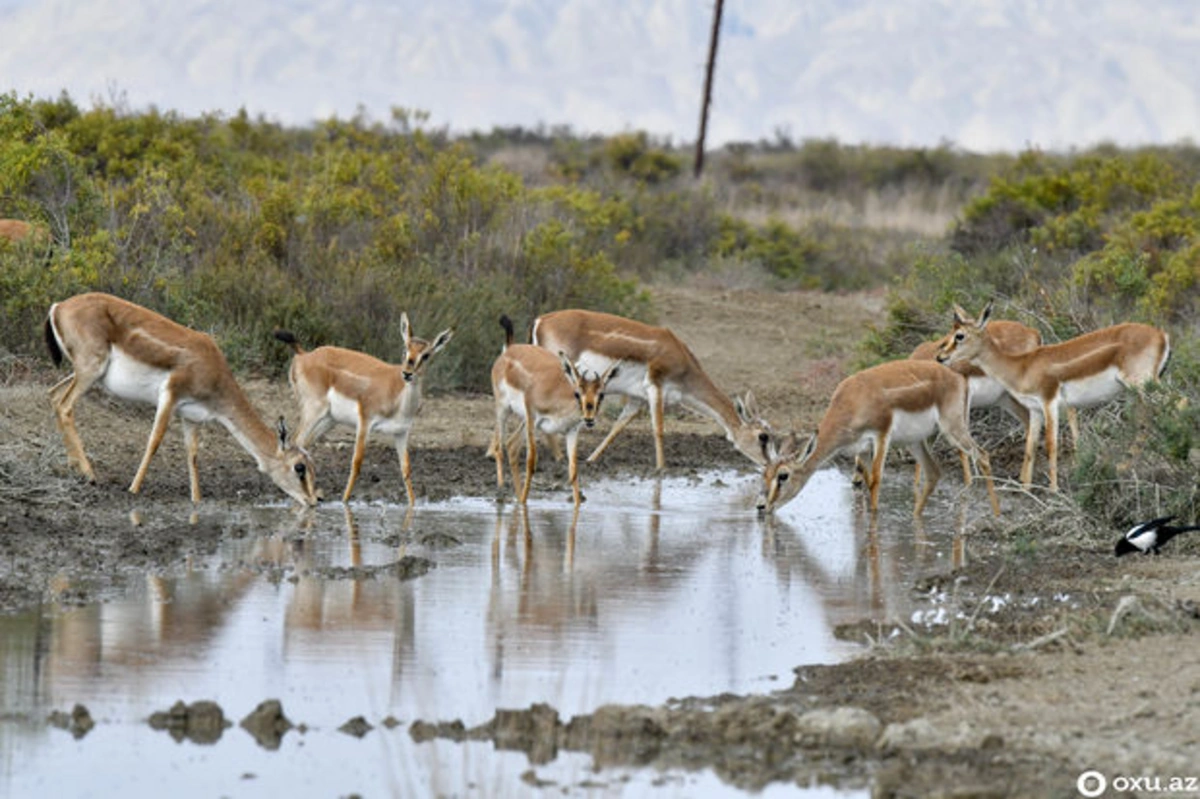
column 655, row 589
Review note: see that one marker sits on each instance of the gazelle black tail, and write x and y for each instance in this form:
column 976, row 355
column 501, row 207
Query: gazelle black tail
column 507, row 324
column 289, row 338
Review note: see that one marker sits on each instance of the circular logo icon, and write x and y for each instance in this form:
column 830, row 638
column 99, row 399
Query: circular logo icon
column 1091, row 784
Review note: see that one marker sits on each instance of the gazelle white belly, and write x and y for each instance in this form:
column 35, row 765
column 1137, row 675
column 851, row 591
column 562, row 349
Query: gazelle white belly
column 130, row 379
column 1093, row 390
column 629, row 381
column 342, row 409
column 984, row 391
column 910, row 427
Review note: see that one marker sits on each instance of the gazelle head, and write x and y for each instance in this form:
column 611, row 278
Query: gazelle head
column 965, row 341
column 589, row 390
column 784, row 474
column 753, row 435
column 292, row 470
column 418, row 351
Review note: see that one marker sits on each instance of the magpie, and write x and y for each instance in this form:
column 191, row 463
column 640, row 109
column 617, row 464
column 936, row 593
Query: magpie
column 1150, row 536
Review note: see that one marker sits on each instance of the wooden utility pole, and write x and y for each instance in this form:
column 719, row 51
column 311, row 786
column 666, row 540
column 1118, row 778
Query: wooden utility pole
column 708, row 78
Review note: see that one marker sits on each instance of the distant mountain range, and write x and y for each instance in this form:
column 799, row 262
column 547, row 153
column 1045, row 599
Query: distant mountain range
column 981, row 74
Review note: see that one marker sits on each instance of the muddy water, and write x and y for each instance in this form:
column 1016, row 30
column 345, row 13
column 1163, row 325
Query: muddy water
column 655, row 589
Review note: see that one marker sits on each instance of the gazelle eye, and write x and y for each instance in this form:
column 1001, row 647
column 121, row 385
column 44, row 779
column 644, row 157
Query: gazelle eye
column 600, row 398
column 959, row 336
column 300, row 469
column 783, row 477
column 576, row 395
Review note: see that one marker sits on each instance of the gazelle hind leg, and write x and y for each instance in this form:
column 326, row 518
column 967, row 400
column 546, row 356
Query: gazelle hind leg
column 530, row 454
column 932, row 472
column 63, row 397
column 962, row 439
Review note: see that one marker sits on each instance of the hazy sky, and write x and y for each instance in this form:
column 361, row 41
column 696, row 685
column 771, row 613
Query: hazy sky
column 983, row 74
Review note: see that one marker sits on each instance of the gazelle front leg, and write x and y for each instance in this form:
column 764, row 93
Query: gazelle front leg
column 166, row 406
column 654, row 394
column 191, row 439
column 405, row 466
column 877, row 458
column 360, row 447
column 631, row 409
column 1052, row 442
column 573, row 464
column 1032, row 433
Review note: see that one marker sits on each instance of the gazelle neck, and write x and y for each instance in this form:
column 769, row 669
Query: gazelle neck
column 702, row 396
column 243, row 422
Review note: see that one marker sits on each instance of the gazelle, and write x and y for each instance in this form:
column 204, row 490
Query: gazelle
column 658, row 370
column 340, row 386
column 902, row 402
column 986, row 391
column 1081, row 372
column 549, row 394
column 139, row 355
column 14, row 230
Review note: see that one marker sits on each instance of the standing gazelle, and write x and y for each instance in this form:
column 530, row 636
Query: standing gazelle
column 905, row 402
column 547, row 393
column 1078, row 373
column 340, row 386
column 984, row 390
column 658, row 370
column 139, row 355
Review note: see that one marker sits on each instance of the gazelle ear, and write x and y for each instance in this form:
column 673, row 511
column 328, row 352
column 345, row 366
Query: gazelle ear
column 568, row 367
column 405, row 331
column 960, row 316
column 612, row 372
column 747, row 408
column 442, row 340
column 809, row 448
column 281, row 427
column 985, row 315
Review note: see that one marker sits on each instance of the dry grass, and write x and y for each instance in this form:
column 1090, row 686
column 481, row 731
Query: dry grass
column 925, row 212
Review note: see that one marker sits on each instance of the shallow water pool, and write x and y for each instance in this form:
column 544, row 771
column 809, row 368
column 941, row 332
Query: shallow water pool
column 655, row 589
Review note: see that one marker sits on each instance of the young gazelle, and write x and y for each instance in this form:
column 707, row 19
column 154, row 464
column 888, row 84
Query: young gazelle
column 1084, row 371
column 139, row 355
column 339, row 386
column 902, row 402
column 659, row 370
column 985, row 391
column 548, row 394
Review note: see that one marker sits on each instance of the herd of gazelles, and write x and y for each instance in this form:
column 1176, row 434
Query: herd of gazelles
column 555, row 386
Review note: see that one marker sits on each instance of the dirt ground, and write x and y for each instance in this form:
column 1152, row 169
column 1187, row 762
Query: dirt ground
column 1018, row 702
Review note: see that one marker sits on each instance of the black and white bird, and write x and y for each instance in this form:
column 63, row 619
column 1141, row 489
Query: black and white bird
column 1150, row 536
